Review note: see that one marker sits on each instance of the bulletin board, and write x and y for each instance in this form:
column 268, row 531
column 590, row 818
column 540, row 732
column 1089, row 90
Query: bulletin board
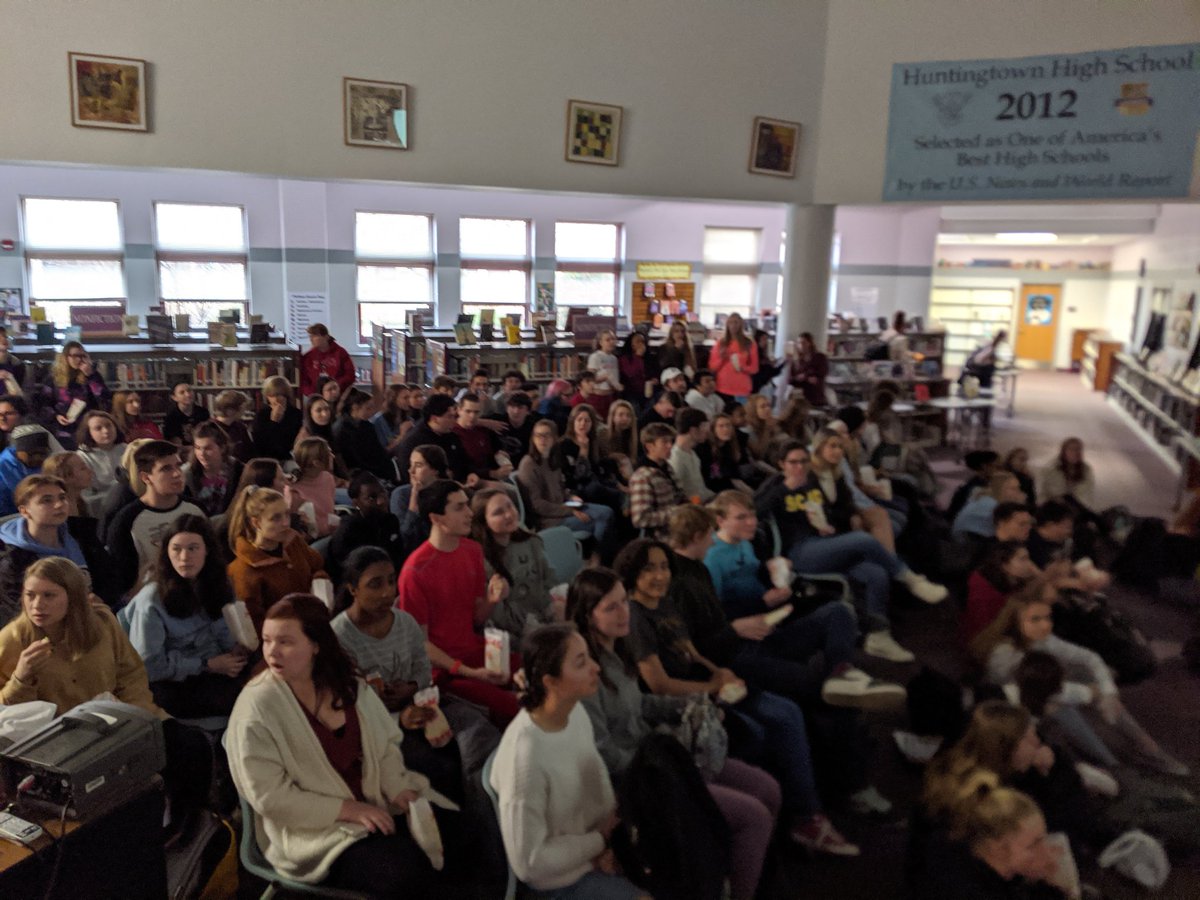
column 685, row 293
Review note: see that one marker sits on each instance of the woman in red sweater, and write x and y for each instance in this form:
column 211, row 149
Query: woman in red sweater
column 1005, row 570
column 734, row 358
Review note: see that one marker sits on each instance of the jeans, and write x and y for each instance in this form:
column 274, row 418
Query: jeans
column 771, row 729
column 859, row 556
column 592, row 886
column 796, row 659
column 601, row 517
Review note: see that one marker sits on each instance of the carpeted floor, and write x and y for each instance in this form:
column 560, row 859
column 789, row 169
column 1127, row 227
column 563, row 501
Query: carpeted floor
column 1049, row 407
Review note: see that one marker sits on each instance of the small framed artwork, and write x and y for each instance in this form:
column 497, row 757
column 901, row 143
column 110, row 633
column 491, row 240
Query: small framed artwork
column 376, row 113
column 773, row 147
column 593, row 133
column 108, row 92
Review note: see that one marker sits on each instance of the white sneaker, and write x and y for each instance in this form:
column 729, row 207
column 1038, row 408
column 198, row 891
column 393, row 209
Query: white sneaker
column 884, row 646
column 855, row 688
column 922, row 588
column 869, row 802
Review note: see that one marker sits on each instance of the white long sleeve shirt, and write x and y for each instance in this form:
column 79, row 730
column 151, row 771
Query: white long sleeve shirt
column 1085, row 672
column 685, row 466
column 554, row 794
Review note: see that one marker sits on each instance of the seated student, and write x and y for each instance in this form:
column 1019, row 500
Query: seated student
column 183, row 416
column 370, row 524
column 71, row 381
column 394, row 418
column 481, row 446
column 585, row 391
column 176, row 624
column 228, row 409
column 1010, row 522
column 76, row 477
column 622, row 716
column 136, row 531
column 65, row 649
column 426, row 464
column 519, row 557
column 836, row 471
column 556, row 804
column 127, row 413
column 39, row 531
column 1054, row 523
column 796, row 502
column 975, row 517
column 24, row 456
column 556, row 405
column 329, row 388
column 278, row 422
column 1017, row 462
column 691, row 430
column 794, row 420
column 975, row 838
column 100, row 446
column 509, row 385
column 124, row 492
column 982, row 464
column 661, row 409
column 479, row 383
column 211, row 478
column 442, row 585
column 704, row 396
column 540, row 474
column 764, row 436
column 314, row 485
column 388, row 646
column 780, row 658
column 723, row 464
column 270, row 559
column 518, row 419
column 444, row 384
column 589, row 472
column 355, row 440
column 12, row 369
column 1024, row 625
column 316, row 754
column 653, row 493
column 672, row 379
column 13, row 411
column 669, row 663
column 1005, row 570
column 439, row 415
column 621, row 431
column 1069, row 475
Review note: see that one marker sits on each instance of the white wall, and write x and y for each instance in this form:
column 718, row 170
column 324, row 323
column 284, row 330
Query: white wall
column 886, row 253
column 866, row 37
column 256, row 87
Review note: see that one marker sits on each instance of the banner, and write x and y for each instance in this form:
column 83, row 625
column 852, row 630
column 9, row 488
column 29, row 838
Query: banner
column 1102, row 125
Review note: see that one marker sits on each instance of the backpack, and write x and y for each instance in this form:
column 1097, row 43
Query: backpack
column 672, row 840
column 1092, row 623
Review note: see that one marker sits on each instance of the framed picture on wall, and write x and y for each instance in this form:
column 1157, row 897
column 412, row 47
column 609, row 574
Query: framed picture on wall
column 108, row 92
column 593, row 133
column 376, row 113
column 773, row 147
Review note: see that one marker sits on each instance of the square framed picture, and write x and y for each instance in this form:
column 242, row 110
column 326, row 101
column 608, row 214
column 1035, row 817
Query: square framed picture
column 108, row 92
column 773, row 147
column 593, row 133
column 376, row 113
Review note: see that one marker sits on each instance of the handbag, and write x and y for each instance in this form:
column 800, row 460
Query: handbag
column 703, row 735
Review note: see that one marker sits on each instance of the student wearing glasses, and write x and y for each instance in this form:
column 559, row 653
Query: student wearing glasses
column 73, row 381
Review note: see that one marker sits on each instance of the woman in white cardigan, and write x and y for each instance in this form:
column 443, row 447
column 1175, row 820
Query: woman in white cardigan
column 315, row 753
column 557, row 808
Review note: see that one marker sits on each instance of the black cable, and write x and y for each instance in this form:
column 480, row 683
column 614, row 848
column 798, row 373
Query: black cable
column 58, row 850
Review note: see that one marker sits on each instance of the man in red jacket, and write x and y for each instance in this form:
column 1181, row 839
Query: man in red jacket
column 327, row 357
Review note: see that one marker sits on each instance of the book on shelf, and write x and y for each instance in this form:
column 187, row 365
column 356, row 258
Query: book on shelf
column 130, row 326
column 45, row 330
column 464, row 334
column 160, row 328
column 260, row 333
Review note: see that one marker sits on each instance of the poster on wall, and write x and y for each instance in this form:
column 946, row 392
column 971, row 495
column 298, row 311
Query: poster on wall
column 1039, row 309
column 306, row 308
column 1100, row 125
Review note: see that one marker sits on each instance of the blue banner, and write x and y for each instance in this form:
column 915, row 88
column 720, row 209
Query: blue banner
column 1102, row 125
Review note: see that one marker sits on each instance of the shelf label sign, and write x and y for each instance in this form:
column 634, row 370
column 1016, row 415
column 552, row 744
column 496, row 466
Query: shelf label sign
column 1101, row 125
column 306, row 308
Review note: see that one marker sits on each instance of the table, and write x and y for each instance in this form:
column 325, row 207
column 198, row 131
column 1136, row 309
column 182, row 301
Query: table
column 1008, row 384
column 117, row 854
column 966, row 417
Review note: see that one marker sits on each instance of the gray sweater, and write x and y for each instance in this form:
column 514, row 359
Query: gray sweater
column 622, row 715
column 528, row 602
column 547, row 491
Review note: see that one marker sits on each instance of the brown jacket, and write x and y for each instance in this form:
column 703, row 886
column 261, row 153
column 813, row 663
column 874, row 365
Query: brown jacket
column 260, row 578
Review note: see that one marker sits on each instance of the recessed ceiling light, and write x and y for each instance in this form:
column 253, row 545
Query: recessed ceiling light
column 1028, row 237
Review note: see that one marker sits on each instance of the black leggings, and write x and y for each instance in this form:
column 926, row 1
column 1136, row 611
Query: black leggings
column 189, row 768
column 392, row 865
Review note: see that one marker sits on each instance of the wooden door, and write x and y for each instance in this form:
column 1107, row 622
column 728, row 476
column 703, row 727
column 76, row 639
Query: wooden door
column 1037, row 321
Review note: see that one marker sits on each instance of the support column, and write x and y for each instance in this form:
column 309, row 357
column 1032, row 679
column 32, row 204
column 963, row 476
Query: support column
column 806, row 273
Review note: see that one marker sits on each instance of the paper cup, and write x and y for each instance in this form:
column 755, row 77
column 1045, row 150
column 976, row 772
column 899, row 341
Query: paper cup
column 780, row 570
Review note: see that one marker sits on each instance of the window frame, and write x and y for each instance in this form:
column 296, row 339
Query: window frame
column 566, row 264
column 63, row 253
column 523, row 264
column 427, row 262
column 752, row 270
column 200, row 255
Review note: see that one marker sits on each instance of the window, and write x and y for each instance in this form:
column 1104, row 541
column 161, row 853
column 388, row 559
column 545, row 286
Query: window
column 731, row 267
column 74, row 253
column 394, row 256
column 587, row 267
column 495, row 265
column 201, row 253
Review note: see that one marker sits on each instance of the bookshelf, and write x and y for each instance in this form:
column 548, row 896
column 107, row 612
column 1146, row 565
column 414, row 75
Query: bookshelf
column 851, row 374
column 970, row 316
column 1162, row 410
column 1096, row 363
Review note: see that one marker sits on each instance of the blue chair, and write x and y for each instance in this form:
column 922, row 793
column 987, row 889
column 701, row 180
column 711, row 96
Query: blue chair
column 256, row 864
column 510, row 893
column 520, row 499
column 564, row 552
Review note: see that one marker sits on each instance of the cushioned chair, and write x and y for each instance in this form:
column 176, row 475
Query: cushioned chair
column 510, row 892
column 256, row 864
column 563, row 552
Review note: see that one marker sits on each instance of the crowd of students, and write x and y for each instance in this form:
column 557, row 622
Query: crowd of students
column 386, row 554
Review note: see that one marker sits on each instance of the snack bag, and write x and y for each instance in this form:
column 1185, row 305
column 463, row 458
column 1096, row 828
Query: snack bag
column 437, row 729
column 237, row 619
column 322, row 588
column 496, row 651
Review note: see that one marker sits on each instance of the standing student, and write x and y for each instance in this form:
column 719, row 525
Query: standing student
column 443, row 587
column 808, row 370
column 603, row 362
column 734, row 359
column 213, row 474
column 271, row 560
column 635, row 372
column 73, row 387
column 183, row 416
column 677, row 352
column 327, row 357
column 653, row 493
column 127, row 413
column 556, row 803
column 136, row 531
column 175, row 623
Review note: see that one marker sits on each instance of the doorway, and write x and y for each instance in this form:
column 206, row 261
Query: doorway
column 1037, row 322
